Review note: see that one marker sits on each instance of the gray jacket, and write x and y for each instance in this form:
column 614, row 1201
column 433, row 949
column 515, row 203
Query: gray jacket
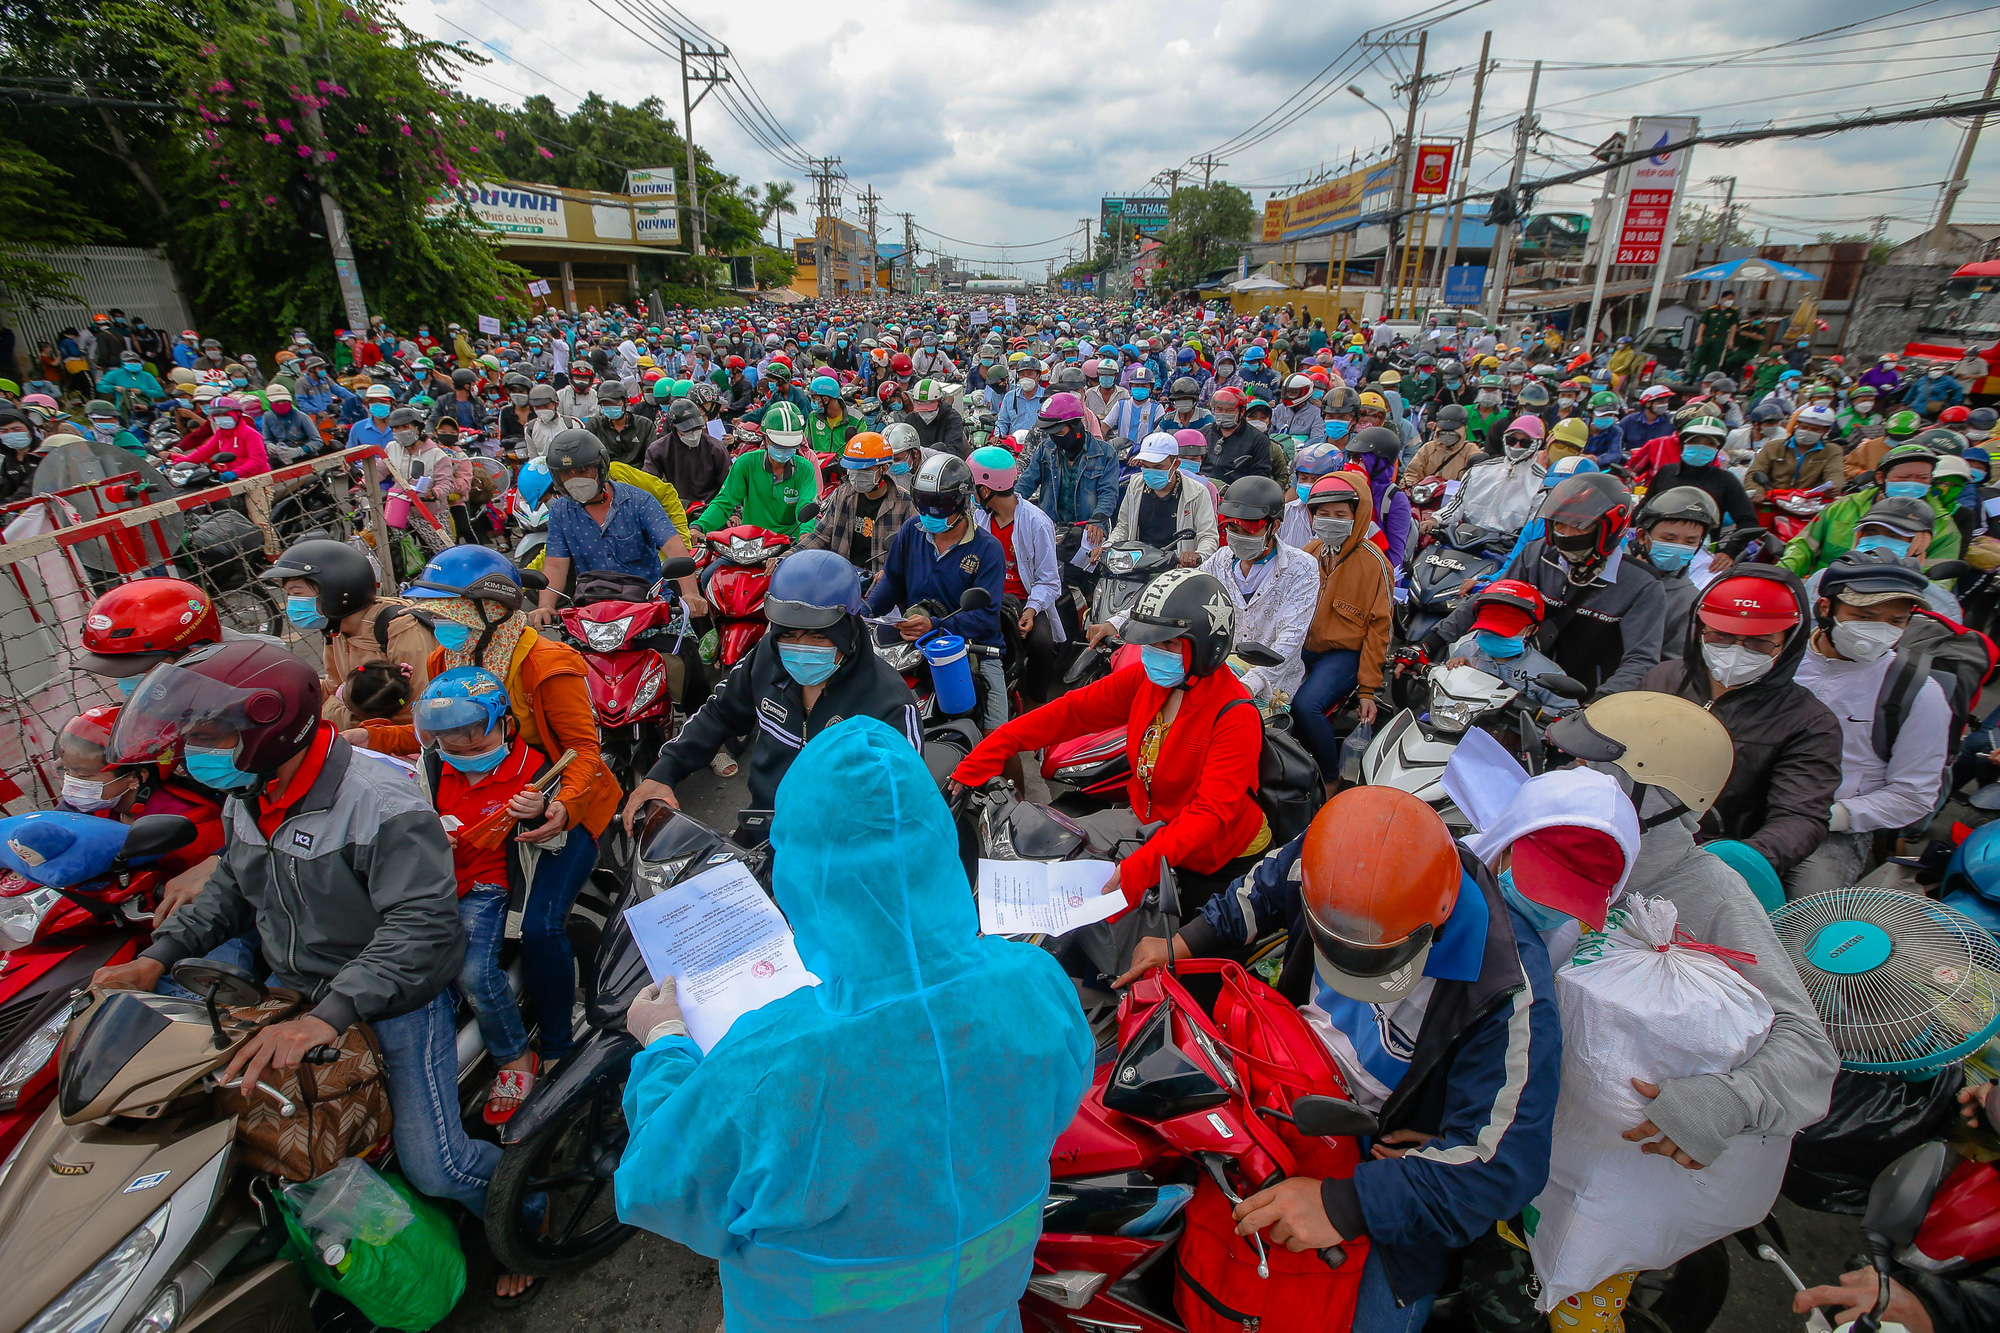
column 1785, row 1085
column 354, row 898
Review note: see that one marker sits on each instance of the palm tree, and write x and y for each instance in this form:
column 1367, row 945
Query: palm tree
column 777, row 201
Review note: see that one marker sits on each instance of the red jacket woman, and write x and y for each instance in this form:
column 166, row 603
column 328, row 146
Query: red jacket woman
column 1192, row 746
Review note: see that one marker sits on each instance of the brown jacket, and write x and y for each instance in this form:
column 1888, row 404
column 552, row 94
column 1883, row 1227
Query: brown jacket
column 1786, row 469
column 409, row 643
column 1355, row 610
column 1440, row 459
column 1864, row 456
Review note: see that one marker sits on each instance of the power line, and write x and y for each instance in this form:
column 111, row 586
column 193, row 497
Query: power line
column 998, row 245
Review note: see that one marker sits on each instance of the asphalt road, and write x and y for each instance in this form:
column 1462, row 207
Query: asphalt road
column 652, row 1285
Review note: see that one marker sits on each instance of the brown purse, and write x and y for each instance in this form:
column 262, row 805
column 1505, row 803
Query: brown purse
column 337, row 1110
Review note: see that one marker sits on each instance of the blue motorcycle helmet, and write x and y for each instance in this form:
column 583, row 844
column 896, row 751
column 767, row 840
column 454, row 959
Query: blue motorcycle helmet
column 815, row 590
column 534, row 482
column 1972, row 879
column 476, row 572
column 463, row 698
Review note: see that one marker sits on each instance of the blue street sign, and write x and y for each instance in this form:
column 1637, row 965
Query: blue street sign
column 1464, row 284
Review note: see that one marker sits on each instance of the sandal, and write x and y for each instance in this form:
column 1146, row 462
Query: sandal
column 723, row 765
column 509, row 1091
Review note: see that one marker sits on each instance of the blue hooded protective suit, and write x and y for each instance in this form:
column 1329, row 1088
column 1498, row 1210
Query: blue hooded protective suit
column 872, row 1153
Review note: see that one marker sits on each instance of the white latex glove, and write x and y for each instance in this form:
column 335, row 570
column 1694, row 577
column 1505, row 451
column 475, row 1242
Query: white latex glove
column 655, row 1013
column 1838, row 819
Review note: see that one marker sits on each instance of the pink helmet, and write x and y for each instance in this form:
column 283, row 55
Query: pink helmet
column 994, row 468
column 225, row 403
column 1062, row 407
column 1527, row 425
column 1191, row 441
column 1090, row 369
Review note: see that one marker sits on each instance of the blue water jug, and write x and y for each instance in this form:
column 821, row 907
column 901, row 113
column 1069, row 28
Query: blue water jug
column 951, row 674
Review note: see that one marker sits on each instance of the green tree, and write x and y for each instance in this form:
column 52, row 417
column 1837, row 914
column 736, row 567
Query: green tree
column 37, row 211
column 777, row 205
column 1207, row 227
column 774, row 267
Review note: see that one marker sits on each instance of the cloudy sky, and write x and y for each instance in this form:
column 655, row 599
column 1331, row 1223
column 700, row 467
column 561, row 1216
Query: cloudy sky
column 1002, row 124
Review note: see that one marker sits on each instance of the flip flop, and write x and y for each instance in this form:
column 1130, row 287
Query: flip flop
column 516, row 1084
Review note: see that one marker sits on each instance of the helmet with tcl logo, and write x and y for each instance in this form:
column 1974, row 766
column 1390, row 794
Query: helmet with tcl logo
column 134, row 627
column 1746, row 604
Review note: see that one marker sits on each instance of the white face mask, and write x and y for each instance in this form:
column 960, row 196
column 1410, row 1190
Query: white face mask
column 405, row 435
column 1246, row 547
column 1732, row 664
column 85, row 795
column 1865, row 640
column 583, row 490
column 546, row 413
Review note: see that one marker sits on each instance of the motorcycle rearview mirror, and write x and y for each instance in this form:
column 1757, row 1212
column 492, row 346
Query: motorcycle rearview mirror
column 153, row 836
column 1568, row 687
column 223, row 459
column 974, row 599
column 220, row 985
column 808, row 511
column 1257, row 655
column 1902, row 1194
column 1329, row 1117
column 1166, row 894
column 1083, row 663
column 1946, row 570
column 678, row 568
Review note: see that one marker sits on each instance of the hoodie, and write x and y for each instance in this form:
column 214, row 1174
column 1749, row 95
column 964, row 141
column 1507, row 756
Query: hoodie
column 1355, row 609
column 1787, row 742
column 872, row 1151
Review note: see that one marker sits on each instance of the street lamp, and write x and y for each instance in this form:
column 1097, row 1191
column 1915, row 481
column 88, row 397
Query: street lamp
column 1355, row 88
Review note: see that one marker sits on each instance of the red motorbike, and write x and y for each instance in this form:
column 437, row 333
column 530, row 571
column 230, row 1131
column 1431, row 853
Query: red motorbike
column 629, row 648
column 1178, row 1128
column 1094, row 764
column 62, row 918
column 736, row 589
column 1788, row 512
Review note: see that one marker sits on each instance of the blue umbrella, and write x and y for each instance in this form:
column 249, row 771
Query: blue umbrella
column 1749, row 270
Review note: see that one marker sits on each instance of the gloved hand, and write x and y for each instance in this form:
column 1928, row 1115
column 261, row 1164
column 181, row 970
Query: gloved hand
column 228, row 476
column 655, row 1013
column 1838, row 819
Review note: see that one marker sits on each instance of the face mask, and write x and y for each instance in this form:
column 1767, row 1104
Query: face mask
column 1163, row 665
column 1224, row 370
column 1864, row 640
column 1671, row 556
column 1565, row 402
column 405, row 436
column 1521, row 454
column 378, row 410
column 475, row 763
column 1606, row 423
column 1906, row 490
column 1191, row 465
column 1543, row 919
column 612, row 412
column 1500, row 645
column 546, row 413
column 926, row 414
column 130, row 365
column 304, row 612
column 1027, row 384
column 1337, row 430
column 809, row 663
column 1333, row 531
column 583, row 490
column 1245, row 546
column 899, row 468
column 1227, row 420
column 1896, row 546
column 450, row 634
column 216, row 769
column 103, row 430
column 85, row 795
column 781, row 453
column 933, row 524
column 1488, row 397
column 1141, row 392
column 239, row 382
column 1732, row 664
column 17, row 439
column 1156, row 478
column 518, row 399
column 1698, row 455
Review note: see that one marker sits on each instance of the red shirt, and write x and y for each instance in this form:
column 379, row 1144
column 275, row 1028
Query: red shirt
column 471, row 797
column 272, row 807
column 1012, row 583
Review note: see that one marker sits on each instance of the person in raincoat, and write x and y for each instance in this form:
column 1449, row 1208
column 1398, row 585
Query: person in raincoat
column 870, row 1153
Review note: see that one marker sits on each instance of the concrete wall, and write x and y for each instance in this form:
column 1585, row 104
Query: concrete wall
column 1887, row 305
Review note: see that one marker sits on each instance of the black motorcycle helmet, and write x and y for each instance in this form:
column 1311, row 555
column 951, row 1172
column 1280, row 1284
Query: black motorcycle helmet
column 463, row 379
column 577, row 450
column 1188, row 604
column 943, row 486
column 1379, row 440
column 1452, row 417
column 1868, row 572
column 344, row 577
column 684, row 417
column 1252, row 498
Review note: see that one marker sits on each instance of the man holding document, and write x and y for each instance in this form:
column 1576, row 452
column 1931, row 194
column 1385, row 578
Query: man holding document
column 870, row 1152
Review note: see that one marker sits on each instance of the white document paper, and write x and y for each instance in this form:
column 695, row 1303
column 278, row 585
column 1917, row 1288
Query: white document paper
column 1044, row 897
column 1086, row 552
column 725, row 944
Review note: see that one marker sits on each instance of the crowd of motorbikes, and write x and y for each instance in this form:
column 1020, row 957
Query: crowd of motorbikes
column 121, row 1204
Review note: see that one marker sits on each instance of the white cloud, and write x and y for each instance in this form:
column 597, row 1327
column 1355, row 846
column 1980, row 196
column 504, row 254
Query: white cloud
column 997, row 122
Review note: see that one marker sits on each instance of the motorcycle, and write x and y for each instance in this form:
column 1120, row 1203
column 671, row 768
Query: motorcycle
column 906, row 656
column 1410, row 754
column 736, row 589
column 1461, row 551
column 57, row 927
column 1123, row 571
column 1787, row 512
column 631, row 649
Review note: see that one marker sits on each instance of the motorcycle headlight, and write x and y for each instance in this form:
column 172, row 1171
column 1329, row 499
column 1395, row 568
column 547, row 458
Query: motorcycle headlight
column 745, row 552
column 649, row 686
column 1451, row 714
column 605, row 635
column 1120, row 561
column 29, row 1057
column 94, row 1297
column 659, row 876
column 21, row 917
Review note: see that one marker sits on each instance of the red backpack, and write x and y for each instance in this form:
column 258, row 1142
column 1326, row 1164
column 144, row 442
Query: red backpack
column 1277, row 1058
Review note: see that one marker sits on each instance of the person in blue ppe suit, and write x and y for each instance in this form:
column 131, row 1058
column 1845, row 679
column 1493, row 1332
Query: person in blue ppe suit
column 871, row 1153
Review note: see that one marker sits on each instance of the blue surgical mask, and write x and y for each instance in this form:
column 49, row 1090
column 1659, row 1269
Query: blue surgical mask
column 899, row 468
column 1192, row 465
column 129, row 685
column 1500, row 646
column 239, row 382
column 378, row 409
column 1698, row 455
column 782, row 453
column 1156, row 478
column 933, row 524
column 1141, row 392
column 216, row 768
column 304, row 612
column 450, row 634
column 612, row 412
column 225, row 422
column 809, row 663
column 1304, row 488
column 1605, row 423
column 476, row 763
column 1542, row 918
column 1337, row 430
column 1107, row 380
column 1896, row 546
column 1163, row 665
column 1671, row 556
column 1907, row 490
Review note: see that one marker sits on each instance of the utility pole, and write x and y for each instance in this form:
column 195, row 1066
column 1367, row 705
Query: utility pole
column 869, row 199
column 1404, row 171
column 909, row 251
column 1953, row 187
column 1725, row 227
column 1208, row 164
column 710, row 76
column 329, row 201
column 825, row 171
column 1496, row 281
column 1465, row 158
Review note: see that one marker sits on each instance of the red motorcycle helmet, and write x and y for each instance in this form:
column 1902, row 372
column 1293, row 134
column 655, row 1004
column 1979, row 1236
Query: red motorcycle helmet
column 1747, row 605
column 136, row 626
column 1954, row 416
column 901, row 366
column 250, row 695
column 1508, row 606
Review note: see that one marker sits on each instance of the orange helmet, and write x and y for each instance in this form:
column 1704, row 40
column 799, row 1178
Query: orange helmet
column 136, row 626
column 866, row 449
column 1379, row 873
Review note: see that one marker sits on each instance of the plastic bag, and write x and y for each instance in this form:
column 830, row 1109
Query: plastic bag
column 1637, row 1003
column 1351, row 750
column 350, row 1203
column 410, row 1281
column 1871, row 1121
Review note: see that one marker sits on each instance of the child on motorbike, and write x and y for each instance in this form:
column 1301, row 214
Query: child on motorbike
column 1507, row 615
